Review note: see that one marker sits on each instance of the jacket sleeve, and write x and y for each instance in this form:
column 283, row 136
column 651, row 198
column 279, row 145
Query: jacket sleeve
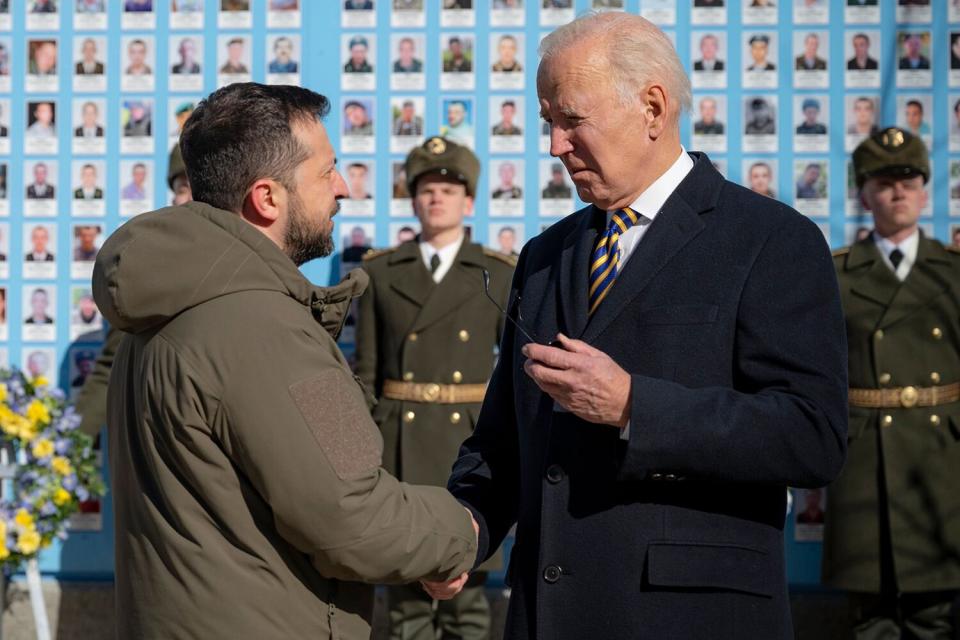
column 297, row 426
column 91, row 403
column 486, row 475
column 784, row 421
column 366, row 339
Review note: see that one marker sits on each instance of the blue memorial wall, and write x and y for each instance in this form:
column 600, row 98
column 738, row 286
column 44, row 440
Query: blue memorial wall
column 91, row 92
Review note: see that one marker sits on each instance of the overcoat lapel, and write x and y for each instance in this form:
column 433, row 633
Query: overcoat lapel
column 573, row 283
column 877, row 283
column 462, row 283
column 675, row 225
column 412, row 280
column 922, row 284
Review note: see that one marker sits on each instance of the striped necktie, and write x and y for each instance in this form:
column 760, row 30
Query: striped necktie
column 605, row 262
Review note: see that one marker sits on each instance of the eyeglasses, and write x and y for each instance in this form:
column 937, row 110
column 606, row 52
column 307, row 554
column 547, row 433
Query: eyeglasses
column 518, row 322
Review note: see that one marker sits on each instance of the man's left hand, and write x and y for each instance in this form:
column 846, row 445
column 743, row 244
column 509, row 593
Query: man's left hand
column 581, row 379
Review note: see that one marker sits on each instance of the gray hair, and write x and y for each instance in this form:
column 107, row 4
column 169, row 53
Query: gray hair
column 637, row 52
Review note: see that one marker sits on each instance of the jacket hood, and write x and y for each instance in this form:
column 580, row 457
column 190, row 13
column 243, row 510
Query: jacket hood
column 164, row 262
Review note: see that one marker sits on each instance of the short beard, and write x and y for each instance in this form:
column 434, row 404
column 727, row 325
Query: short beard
column 303, row 239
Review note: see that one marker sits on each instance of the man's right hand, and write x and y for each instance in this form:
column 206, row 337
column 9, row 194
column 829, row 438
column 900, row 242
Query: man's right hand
column 450, row 588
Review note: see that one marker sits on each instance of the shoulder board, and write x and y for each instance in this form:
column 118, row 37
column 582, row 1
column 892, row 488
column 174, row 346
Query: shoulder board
column 842, row 251
column 374, row 253
column 490, row 253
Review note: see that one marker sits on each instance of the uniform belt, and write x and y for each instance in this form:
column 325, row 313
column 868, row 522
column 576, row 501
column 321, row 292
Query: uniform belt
column 905, row 397
column 433, row 392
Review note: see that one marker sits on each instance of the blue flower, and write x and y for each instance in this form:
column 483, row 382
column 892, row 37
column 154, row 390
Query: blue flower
column 48, row 509
column 82, row 494
column 63, row 446
column 70, row 482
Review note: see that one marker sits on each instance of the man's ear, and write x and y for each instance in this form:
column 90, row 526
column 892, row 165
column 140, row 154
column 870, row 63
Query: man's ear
column 265, row 202
column 655, row 109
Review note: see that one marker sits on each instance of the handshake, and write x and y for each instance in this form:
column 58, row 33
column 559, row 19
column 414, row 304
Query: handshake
column 450, row 588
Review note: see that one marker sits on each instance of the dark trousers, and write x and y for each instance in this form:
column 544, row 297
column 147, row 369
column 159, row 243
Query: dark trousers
column 414, row 615
column 910, row 616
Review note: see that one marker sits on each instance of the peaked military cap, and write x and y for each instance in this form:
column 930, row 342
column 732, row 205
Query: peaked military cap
column 439, row 155
column 891, row 152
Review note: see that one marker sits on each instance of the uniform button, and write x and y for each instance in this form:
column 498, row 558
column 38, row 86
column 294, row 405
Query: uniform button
column 464, row 335
column 884, row 378
column 552, row 573
column 554, row 473
column 878, row 334
column 934, row 377
column 455, row 417
column 887, row 420
column 457, row 377
column 412, row 337
column 408, row 376
column 656, row 476
column 670, row 476
column 409, row 416
column 934, row 419
column 937, row 333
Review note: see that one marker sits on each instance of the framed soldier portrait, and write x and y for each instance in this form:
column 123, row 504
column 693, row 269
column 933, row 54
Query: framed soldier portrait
column 811, row 59
column 760, row 68
column 760, row 123
column 811, row 123
column 862, row 67
column 41, row 133
column 506, row 69
column 138, row 15
column 406, row 123
column 88, row 188
column 40, row 189
column 358, row 13
column 283, row 59
column 283, row 14
column 42, row 76
column 506, row 187
column 40, row 251
column 406, row 64
column 186, row 14
column 457, row 62
column 554, row 13
column 811, row 179
column 358, row 59
column 506, row 237
column 39, row 313
column 136, row 187
column 361, row 182
column 861, row 115
column 913, row 59
column 760, row 176
column 400, row 202
column 709, row 122
column 811, row 11
column 358, row 125
column 136, row 122
column 708, row 12
column 186, row 63
column 913, row 114
column 139, row 61
column 506, row 130
column 90, row 64
column 407, row 13
column 233, row 59
column 86, row 323
column 709, row 53
column 457, row 117
column 43, row 15
column 556, row 192
column 507, row 13
column 457, row 13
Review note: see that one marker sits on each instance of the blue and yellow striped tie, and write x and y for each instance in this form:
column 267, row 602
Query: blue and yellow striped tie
column 605, row 262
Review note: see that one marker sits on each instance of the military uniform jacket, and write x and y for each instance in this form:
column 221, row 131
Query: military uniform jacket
column 899, row 334
column 415, row 330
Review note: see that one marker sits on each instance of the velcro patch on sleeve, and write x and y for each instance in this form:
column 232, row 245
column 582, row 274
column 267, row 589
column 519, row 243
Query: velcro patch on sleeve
column 332, row 405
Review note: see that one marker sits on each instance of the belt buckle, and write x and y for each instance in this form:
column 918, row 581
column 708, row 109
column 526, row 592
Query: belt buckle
column 908, row 397
column 431, row 392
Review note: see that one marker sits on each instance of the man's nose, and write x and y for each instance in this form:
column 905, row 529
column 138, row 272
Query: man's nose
column 559, row 142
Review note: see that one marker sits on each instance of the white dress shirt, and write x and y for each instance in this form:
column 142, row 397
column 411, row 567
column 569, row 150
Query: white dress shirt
column 447, row 256
column 908, row 248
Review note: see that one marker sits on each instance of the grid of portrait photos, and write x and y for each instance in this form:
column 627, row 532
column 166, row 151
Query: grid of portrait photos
column 92, row 97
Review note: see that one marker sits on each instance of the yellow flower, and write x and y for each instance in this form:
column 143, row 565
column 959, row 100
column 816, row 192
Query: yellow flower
column 61, row 465
column 40, row 381
column 3, row 530
column 37, row 413
column 28, row 542
column 23, row 519
column 4, row 552
column 42, row 448
column 3, row 392
column 61, row 497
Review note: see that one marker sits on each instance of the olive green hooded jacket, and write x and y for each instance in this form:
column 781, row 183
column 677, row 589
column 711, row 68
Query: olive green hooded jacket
column 247, row 483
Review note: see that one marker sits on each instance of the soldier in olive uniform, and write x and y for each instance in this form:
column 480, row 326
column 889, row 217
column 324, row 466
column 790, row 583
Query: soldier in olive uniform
column 893, row 517
column 426, row 340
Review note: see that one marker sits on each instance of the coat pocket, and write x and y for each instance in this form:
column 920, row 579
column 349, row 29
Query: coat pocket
column 680, row 314
column 698, row 565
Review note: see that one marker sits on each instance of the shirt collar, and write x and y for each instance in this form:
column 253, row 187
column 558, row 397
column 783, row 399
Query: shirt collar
column 909, row 247
column 446, row 254
column 649, row 203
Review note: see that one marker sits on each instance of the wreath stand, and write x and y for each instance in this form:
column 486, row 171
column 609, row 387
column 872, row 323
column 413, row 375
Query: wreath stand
column 8, row 470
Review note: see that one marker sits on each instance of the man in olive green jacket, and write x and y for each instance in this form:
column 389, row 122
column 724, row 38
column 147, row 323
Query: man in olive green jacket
column 249, row 497
column 893, row 516
column 426, row 340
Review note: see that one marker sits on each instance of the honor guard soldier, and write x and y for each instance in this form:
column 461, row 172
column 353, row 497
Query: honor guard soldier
column 893, row 516
column 426, row 342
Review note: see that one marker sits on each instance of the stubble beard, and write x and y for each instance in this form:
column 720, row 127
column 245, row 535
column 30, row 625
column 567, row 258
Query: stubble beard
column 305, row 240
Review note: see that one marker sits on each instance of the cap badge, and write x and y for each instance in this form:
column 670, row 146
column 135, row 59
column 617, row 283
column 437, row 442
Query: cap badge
column 892, row 138
column 436, row 146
